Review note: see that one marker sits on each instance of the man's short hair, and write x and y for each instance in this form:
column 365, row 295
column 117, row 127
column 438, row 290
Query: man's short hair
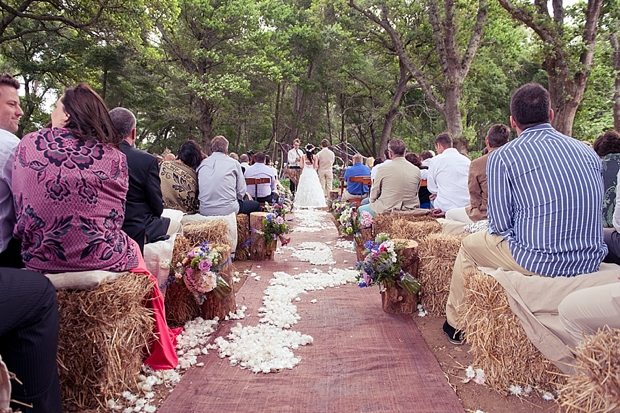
column 259, row 157
column 607, row 143
column 234, row 156
column 8, row 80
column 397, row 147
column 244, row 158
column 444, row 140
column 219, row 144
column 498, row 135
column 124, row 121
column 426, row 154
column 357, row 158
column 324, row 143
column 530, row 105
column 296, row 141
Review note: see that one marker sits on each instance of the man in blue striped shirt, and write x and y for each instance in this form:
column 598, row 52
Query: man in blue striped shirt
column 545, row 204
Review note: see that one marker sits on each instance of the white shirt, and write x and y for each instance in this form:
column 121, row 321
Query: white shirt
column 293, row 157
column 374, row 170
column 260, row 170
column 447, row 178
column 8, row 144
column 617, row 208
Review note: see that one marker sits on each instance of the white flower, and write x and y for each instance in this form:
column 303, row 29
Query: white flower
column 548, row 396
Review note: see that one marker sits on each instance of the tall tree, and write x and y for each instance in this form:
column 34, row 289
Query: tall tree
column 568, row 54
column 453, row 56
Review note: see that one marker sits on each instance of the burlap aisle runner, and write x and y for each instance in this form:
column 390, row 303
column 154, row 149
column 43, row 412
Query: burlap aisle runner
column 362, row 359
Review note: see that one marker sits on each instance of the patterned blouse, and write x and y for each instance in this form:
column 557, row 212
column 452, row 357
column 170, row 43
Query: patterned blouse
column 179, row 187
column 69, row 199
column 611, row 166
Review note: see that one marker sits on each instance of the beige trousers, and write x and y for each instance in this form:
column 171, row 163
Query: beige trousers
column 480, row 249
column 585, row 311
column 326, row 179
column 458, row 214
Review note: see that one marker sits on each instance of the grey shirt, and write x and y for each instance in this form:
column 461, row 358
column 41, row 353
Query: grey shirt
column 221, row 184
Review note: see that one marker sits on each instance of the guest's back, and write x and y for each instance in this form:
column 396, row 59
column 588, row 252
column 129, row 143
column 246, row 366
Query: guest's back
column 179, row 181
column 607, row 146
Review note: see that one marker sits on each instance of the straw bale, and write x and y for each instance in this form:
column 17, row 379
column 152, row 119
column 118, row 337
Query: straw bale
column 383, row 222
column 415, row 230
column 596, row 386
column 215, row 231
column 498, row 342
column 437, row 252
column 243, row 236
column 103, row 333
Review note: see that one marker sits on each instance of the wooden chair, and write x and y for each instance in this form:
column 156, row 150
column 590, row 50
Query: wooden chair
column 364, row 180
column 256, row 182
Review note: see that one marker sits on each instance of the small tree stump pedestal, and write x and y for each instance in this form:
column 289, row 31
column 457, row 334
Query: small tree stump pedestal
column 214, row 306
column 259, row 250
column 394, row 299
column 334, row 194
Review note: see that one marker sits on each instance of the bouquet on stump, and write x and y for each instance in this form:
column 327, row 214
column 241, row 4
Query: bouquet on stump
column 274, row 228
column 281, row 208
column 199, row 271
column 383, row 266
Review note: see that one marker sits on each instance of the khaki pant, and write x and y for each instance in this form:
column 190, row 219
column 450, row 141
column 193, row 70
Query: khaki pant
column 326, row 179
column 587, row 310
column 477, row 250
column 458, row 214
column 346, row 196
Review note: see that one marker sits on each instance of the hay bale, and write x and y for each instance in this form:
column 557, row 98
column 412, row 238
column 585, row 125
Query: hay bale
column 243, row 236
column 215, row 231
column 437, row 252
column 383, row 222
column 596, row 386
column 414, row 230
column 103, row 333
column 498, row 342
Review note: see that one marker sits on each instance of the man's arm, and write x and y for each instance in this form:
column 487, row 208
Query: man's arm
column 499, row 209
column 153, row 189
column 241, row 187
column 375, row 189
column 431, row 184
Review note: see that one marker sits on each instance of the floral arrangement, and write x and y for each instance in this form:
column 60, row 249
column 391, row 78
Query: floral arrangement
column 274, row 227
column 349, row 221
column 338, row 207
column 199, row 272
column 365, row 220
column 281, row 208
column 383, row 266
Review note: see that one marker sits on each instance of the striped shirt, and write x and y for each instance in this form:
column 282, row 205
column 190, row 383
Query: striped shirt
column 545, row 199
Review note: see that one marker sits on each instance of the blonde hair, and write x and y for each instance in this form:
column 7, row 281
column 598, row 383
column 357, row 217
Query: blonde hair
column 370, row 162
column 358, row 158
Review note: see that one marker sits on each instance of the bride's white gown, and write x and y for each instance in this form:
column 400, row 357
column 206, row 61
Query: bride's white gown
column 309, row 191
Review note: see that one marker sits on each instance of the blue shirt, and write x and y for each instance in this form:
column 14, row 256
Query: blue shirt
column 545, row 199
column 358, row 169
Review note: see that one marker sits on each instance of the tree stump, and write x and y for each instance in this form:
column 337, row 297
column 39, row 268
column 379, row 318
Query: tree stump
column 334, row 194
column 394, row 299
column 214, row 306
column 361, row 238
column 259, row 250
column 243, row 236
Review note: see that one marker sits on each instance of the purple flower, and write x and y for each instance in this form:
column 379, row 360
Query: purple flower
column 279, row 220
column 204, row 265
column 57, row 189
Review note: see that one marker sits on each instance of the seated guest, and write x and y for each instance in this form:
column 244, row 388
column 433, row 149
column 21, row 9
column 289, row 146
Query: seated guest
column 10, row 112
column 426, row 157
column 396, row 185
column 607, row 146
column 269, row 164
column 244, row 160
column 423, row 193
column 554, row 230
column 221, row 183
column 612, row 235
column 370, row 162
column 144, row 206
column 262, row 192
column 69, row 186
column 355, row 190
column 447, row 177
column 234, row 156
column 179, row 183
column 497, row 136
column 29, row 339
column 378, row 165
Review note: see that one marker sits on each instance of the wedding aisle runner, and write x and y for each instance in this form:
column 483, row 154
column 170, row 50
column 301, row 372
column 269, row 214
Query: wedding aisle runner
column 361, row 359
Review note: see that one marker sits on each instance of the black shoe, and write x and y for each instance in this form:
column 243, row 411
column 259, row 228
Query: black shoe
column 454, row 336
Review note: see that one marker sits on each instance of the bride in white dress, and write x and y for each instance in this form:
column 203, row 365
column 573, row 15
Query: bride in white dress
column 309, row 191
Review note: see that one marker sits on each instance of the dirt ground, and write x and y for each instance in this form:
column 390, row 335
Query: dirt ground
column 455, row 359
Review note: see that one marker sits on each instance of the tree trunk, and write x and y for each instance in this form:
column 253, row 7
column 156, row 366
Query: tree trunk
column 259, row 250
column 615, row 44
column 206, row 125
column 452, row 113
column 396, row 300
column 401, row 88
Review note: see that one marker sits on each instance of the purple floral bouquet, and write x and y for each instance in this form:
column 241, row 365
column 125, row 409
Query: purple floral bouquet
column 274, row 227
column 199, row 271
column 383, row 266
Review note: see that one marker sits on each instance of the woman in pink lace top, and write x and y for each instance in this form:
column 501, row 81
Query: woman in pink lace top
column 69, row 185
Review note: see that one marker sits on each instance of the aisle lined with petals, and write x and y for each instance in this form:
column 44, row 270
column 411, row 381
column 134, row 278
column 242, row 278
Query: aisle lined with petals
column 309, row 340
